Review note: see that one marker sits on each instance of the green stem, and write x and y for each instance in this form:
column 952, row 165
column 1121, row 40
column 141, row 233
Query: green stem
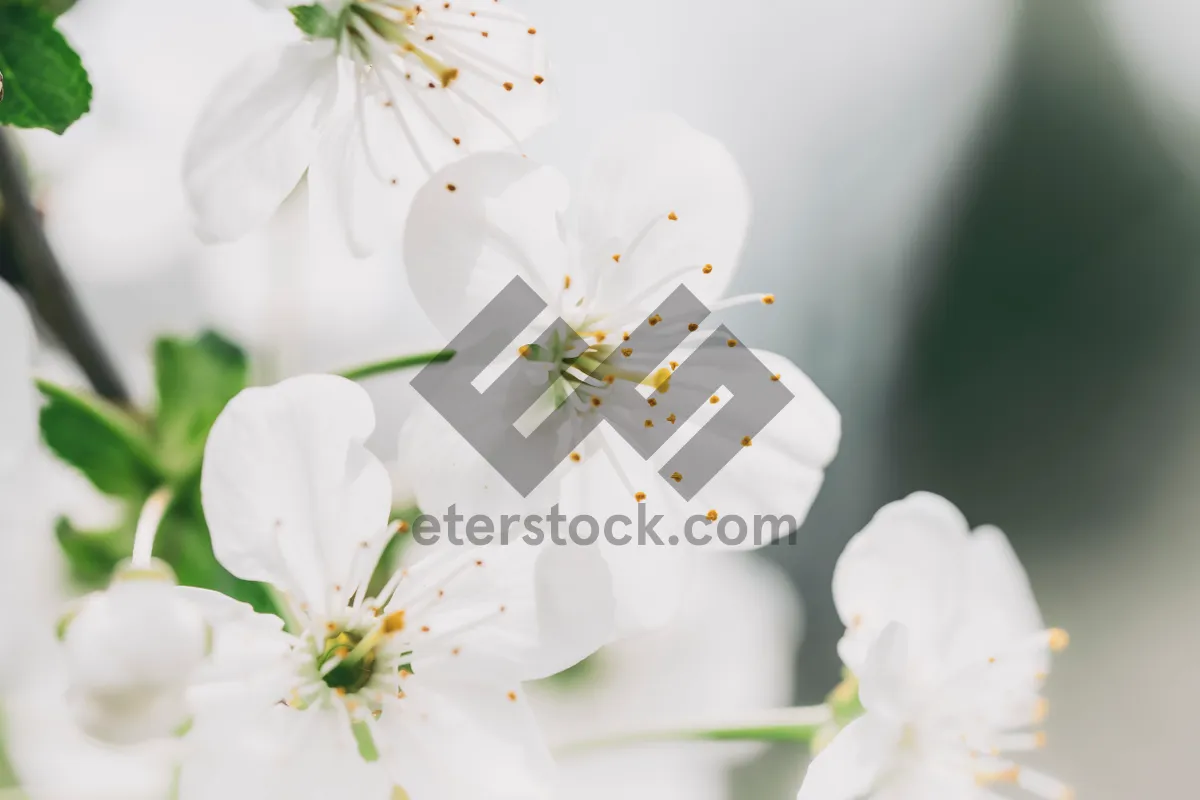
column 283, row 607
column 396, row 364
column 778, row 725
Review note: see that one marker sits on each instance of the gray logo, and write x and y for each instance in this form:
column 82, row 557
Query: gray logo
column 622, row 378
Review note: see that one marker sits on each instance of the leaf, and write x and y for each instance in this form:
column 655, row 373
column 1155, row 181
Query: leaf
column 183, row 541
column 196, row 379
column 99, row 440
column 316, row 21
column 45, row 83
column 92, row 555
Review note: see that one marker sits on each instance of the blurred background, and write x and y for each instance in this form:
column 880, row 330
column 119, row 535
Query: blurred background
column 982, row 222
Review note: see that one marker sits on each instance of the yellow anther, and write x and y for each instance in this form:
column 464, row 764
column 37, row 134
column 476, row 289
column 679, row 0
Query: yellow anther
column 655, row 319
column 394, row 622
column 523, row 350
column 714, row 399
column 707, row 269
column 627, row 351
column 617, row 257
column 768, row 299
column 673, row 216
column 712, row 515
column 566, row 281
column 677, row 477
column 1059, row 639
column 747, row 441
column 671, row 419
column 649, row 423
column 639, row 496
column 576, row 457
column 450, row 187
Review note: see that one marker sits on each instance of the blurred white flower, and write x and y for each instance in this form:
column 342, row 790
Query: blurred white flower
column 675, row 675
column 417, row 687
column 661, row 206
column 131, row 652
column 949, row 649
column 381, row 95
column 18, row 407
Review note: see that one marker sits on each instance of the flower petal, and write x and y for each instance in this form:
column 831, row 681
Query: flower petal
column 477, row 224
column 668, row 200
column 283, row 753
column 18, row 406
column 455, row 740
column 848, row 767
column 255, row 138
column 291, row 494
column 906, row 566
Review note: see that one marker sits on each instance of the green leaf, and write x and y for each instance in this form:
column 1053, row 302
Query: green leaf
column 45, row 83
column 92, row 555
column 196, row 379
column 316, row 21
column 100, row 440
column 183, row 541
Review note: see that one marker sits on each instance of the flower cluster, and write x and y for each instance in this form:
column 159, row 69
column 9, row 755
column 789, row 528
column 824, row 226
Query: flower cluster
column 362, row 669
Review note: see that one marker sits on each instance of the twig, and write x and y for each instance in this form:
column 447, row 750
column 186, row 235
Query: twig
column 27, row 262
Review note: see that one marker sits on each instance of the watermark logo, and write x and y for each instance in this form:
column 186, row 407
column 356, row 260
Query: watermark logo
column 583, row 380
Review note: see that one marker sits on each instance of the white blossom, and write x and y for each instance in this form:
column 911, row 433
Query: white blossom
column 372, row 104
column 948, row 646
column 417, row 686
column 661, row 205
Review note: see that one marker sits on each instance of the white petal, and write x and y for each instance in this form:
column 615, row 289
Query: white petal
column 456, row 741
column 906, row 566
column 291, row 494
column 255, row 138
column 18, row 409
column 848, row 767
column 463, row 244
column 644, row 170
column 285, row 753
column 999, row 609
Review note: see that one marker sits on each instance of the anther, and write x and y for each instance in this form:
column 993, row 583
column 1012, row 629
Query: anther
column 627, row 351
column 671, row 419
column 768, row 299
column 539, row 80
column 731, row 342
column 508, row 87
column 393, row 622
column 450, row 187
column 714, row 399
column 747, row 441
column 512, row 696
column 655, row 320
column 693, row 327
column 639, row 496
column 712, row 515
column 649, row 423
column 576, row 457
column 1059, row 639
column 676, row 476
column 673, row 216
column 707, row 269
column 566, row 281
column 775, row 377
column 617, row 258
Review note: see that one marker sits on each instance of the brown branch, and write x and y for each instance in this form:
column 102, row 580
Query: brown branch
column 28, row 263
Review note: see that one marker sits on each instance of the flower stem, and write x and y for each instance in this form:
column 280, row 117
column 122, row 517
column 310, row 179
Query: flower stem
column 778, row 725
column 147, row 527
column 396, row 364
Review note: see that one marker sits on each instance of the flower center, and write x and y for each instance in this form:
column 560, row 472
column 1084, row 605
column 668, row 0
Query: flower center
column 354, row 668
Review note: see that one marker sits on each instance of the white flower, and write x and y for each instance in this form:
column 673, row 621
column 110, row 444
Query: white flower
column 416, row 687
column 949, row 648
column 383, row 94
column 661, row 205
column 131, row 651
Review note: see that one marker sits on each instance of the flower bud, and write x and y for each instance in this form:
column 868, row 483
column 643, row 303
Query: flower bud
column 130, row 653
